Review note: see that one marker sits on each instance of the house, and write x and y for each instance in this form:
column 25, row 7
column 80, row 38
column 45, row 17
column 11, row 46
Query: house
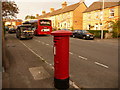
column 97, row 18
column 69, row 17
column 12, row 22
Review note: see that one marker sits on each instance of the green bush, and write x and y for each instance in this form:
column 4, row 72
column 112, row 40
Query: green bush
column 116, row 29
column 97, row 33
column 115, row 25
column 116, row 34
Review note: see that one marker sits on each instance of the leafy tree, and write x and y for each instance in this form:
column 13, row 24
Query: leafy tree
column 30, row 17
column 9, row 9
column 115, row 26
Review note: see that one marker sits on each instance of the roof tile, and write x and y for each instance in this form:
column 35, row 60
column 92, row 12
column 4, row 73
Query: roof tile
column 98, row 6
column 58, row 11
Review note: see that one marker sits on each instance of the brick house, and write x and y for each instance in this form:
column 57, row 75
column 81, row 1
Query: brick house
column 95, row 18
column 69, row 17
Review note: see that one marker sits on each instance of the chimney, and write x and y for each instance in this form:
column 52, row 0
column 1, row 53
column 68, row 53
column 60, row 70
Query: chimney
column 51, row 9
column 43, row 12
column 64, row 4
column 37, row 15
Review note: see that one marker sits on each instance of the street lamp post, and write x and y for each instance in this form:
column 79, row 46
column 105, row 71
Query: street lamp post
column 102, row 19
column 1, row 44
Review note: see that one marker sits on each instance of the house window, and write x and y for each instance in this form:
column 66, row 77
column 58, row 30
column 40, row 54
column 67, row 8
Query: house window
column 97, row 15
column 111, row 12
column 61, row 24
column 68, row 24
column 96, row 26
column 68, row 15
column 100, row 26
column 65, row 25
column 89, row 26
column 53, row 24
column 58, row 24
column 89, row 16
column 101, row 15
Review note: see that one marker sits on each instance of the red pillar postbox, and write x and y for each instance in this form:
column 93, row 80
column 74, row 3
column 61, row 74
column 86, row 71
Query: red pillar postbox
column 61, row 58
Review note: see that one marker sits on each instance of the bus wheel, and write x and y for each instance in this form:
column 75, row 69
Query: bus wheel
column 20, row 37
column 73, row 36
column 31, row 38
column 35, row 34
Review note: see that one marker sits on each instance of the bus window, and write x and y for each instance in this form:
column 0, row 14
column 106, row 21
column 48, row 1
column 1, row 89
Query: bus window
column 45, row 23
column 41, row 26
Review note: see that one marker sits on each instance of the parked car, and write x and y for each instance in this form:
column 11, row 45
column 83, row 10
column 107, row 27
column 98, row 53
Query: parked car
column 6, row 28
column 84, row 34
column 11, row 30
column 65, row 29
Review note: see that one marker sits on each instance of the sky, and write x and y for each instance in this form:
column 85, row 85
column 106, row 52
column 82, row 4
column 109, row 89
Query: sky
column 33, row 7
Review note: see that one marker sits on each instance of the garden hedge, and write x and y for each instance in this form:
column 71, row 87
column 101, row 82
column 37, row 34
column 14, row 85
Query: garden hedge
column 97, row 33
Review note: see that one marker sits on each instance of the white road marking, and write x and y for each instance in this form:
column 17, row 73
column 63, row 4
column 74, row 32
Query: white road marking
column 46, row 62
column 32, row 51
column 82, row 57
column 43, row 43
column 47, row 44
column 74, row 85
column 71, row 82
column 52, row 68
column 101, row 64
column 37, row 54
column 71, row 53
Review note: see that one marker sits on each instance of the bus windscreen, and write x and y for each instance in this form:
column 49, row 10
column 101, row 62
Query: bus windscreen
column 45, row 23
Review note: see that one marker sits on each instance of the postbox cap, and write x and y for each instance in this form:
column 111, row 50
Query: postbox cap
column 61, row 33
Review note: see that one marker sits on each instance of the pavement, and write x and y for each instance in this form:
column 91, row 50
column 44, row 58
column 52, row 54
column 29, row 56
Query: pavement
column 25, row 70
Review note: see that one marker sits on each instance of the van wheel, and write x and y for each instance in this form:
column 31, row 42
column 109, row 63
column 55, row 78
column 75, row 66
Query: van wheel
column 20, row 38
column 73, row 36
column 31, row 38
column 84, row 37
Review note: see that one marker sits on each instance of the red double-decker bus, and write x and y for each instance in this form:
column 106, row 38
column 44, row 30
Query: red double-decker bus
column 41, row 26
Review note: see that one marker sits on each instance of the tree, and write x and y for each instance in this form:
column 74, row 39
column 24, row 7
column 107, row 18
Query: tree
column 9, row 9
column 115, row 26
column 30, row 17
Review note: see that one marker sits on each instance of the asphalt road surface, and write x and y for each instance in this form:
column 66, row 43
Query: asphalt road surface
column 93, row 63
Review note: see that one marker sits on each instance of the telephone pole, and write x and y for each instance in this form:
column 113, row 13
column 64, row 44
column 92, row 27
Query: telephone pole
column 103, row 4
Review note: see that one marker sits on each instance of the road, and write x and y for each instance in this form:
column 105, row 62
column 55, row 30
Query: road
column 93, row 63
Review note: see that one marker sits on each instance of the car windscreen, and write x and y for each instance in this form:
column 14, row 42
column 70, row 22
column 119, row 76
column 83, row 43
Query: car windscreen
column 45, row 23
column 26, row 28
column 12, row 29
column 84, row 31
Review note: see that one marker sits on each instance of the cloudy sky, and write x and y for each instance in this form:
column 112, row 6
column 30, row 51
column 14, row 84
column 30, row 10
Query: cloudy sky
column 33, row 7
